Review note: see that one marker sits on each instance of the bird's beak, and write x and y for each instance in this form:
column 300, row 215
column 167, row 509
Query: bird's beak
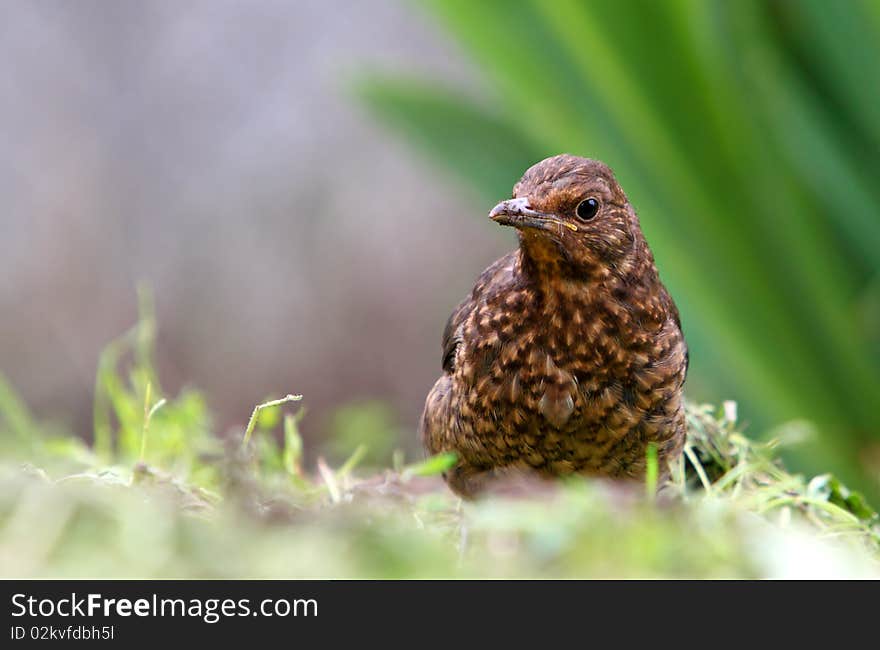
column 519, row 214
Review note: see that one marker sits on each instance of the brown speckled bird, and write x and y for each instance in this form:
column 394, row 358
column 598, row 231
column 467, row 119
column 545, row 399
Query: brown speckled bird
column 568, row 355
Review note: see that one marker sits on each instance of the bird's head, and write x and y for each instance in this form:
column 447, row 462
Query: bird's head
column 571, row 213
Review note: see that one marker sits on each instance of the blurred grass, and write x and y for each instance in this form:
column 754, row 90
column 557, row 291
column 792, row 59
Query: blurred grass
column 159, row 495
column 746, row 134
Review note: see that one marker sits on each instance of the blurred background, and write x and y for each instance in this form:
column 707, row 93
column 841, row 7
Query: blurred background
column 304, row 186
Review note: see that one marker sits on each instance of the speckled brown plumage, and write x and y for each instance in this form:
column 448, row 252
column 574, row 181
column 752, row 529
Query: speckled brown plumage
column 567, row 356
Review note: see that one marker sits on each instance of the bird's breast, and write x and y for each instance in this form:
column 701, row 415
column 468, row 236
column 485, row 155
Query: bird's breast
column 531, row 361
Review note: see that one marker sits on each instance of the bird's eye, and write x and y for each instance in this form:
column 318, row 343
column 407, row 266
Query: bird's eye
column 587, row 209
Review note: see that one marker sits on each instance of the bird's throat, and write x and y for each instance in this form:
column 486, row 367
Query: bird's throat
column 541, row 254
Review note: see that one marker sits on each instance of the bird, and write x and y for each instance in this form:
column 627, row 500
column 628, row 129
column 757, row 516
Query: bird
column 568, row 356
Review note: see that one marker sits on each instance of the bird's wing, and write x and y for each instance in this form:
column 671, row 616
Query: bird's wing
column 673, row 308
column 452, row 333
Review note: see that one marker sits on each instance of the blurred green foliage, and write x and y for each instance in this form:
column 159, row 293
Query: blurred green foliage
column 371, row 423
column 747, row 136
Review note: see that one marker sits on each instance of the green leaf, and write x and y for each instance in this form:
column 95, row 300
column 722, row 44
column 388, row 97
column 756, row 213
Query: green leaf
column 14, row 413
column 454, row 131
column 293, row 445
column 433, row 466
